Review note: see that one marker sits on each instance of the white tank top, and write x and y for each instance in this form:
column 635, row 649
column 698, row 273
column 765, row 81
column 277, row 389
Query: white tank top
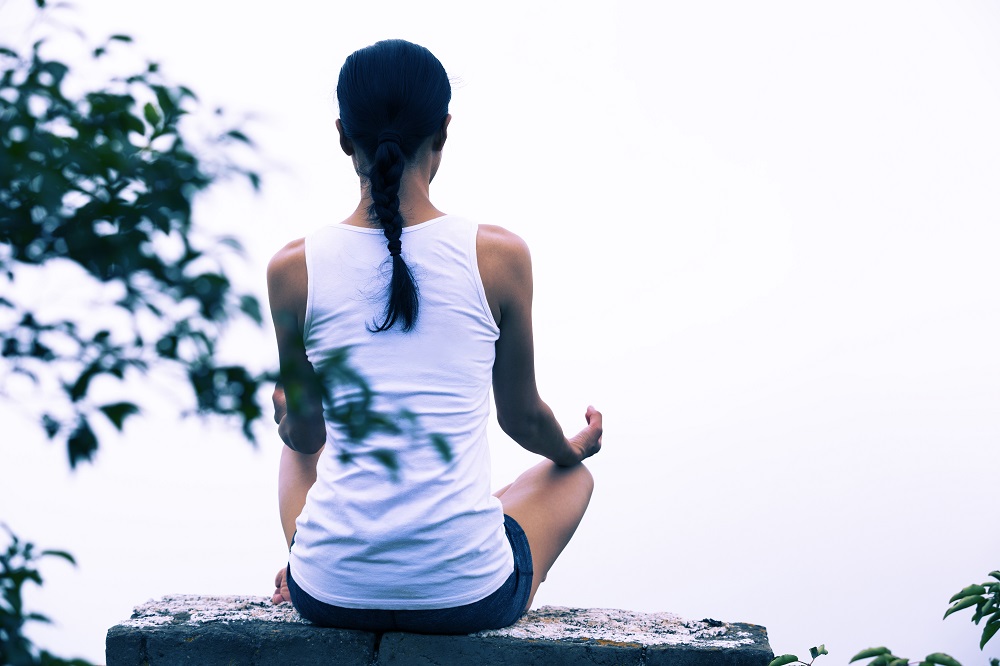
column 434, row 536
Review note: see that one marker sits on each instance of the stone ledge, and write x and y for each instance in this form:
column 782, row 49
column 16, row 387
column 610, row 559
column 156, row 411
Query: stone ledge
column 250, row 630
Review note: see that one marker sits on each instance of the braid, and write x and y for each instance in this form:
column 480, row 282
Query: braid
column 384, row 180
column 393, row 97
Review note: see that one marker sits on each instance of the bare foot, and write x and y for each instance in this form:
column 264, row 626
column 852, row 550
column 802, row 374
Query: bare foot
column 281, row 594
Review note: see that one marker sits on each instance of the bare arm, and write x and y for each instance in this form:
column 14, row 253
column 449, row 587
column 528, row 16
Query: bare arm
column 298, row 401
column 296, row 475
column 301, row 427
column 505, row 265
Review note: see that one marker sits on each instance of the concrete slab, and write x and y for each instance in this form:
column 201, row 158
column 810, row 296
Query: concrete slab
column 230, row 631
column 187, row 629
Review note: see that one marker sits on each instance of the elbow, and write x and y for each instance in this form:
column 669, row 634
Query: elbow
column 523, row 417
column 307, row 447
column 527, row 428
column 302, row 436
column 520, row 427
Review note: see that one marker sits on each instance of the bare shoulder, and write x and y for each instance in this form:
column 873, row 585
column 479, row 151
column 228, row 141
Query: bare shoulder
column 288, row 258
column 287, row 276
column 502, row 250
column 496, row 236
column 505, row 268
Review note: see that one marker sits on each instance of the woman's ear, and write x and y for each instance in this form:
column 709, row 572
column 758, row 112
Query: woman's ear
column 441, row 136
column 345, row 144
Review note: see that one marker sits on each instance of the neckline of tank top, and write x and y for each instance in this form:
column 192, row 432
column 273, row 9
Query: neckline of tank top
column 378, row 230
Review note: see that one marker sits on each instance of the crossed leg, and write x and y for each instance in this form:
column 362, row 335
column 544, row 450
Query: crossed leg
column 548, row 502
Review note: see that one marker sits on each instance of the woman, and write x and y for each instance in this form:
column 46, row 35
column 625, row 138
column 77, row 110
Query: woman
column 434, row 310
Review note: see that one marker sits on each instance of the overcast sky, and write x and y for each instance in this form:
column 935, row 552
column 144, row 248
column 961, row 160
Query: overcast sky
column 765, row 238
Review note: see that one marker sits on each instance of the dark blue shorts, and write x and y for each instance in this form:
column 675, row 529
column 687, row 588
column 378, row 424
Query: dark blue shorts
column 500, row 609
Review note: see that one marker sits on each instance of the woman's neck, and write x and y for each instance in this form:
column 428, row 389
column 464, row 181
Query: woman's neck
column 414, row 198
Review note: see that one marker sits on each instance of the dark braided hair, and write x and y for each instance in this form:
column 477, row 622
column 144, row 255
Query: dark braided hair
column 393, row 95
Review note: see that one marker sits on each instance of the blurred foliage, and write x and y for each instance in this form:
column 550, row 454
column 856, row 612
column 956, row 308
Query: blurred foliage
column 351, row 406
column 986, row 599
column 18, row 566
column 98, row 182
column 104, row 180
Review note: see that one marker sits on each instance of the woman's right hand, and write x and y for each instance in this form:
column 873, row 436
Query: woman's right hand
column 588, row 441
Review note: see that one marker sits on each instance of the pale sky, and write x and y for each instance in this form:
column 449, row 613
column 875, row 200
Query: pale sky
column 765, row 239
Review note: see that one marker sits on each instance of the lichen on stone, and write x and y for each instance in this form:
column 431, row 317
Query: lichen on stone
column 555, row 623
column 622, row 627
column 197, row 609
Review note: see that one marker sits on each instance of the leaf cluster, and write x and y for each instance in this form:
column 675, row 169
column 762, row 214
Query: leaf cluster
column 18, row 567
column 350, row 406
column 985, row 597
column 882, row 656
column 814, row 652
column 105, row 181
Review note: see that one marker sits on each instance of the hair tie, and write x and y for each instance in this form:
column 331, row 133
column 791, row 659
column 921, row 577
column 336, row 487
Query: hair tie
column 394, row 246
column 389, row 136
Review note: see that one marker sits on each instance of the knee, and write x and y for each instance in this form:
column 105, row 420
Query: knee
column 586, row 479
column 581, row 478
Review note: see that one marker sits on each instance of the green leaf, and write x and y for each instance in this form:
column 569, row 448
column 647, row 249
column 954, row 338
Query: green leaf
column 964, row 603
column 151, row 114
column 251, row 307
column 60, row 553
column 885, row 660
column 817, row 651
column 239, row 136
column 119, row 38
column 233, row 244
column 972, row 590
column 870, row 652
column 82, row 443
column 989, row 631
column 38, row 617
column 50, row 425
column 82, row 383
column 165, row 100
column 117, row 412
column 783, row 659
column 942, row 659
column 133, row 124
column 898, row 661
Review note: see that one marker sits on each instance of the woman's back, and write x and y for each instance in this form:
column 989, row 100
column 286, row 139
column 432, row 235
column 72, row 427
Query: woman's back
column 433, row 537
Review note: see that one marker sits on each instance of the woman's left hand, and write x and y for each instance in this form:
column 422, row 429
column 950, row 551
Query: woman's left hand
column 281, row 593
column 280, row 404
